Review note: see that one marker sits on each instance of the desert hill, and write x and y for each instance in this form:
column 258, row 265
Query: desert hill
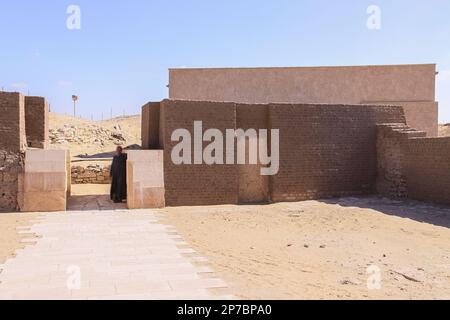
column 95, row 139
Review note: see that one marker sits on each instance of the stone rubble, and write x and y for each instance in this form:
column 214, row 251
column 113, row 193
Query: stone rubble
column 90, row 134
column 91, row 174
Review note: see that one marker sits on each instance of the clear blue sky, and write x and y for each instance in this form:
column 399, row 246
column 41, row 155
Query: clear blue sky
column 120, row 56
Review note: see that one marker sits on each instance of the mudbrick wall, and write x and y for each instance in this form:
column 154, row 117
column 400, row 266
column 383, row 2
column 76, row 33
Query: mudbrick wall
column 198, row 184
column 36, row 121
column 150, row 125
column 91, row 174
column 391, row 157
column 413, row 166
column 427, row 169
column 325, row 151
column 12, row 145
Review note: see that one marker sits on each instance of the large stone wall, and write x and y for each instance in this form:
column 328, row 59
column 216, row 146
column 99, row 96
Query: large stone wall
column 145, row 179
column 325, row 150
column 44, row 181
column 36, row 121
column 411, row 86
column 12, row 145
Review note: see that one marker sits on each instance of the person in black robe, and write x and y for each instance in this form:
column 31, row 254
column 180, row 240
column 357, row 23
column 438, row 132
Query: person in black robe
column 118, row 174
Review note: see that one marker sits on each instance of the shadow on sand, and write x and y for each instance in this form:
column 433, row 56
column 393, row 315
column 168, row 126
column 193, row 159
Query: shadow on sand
column 434, row 214
column 93, row 203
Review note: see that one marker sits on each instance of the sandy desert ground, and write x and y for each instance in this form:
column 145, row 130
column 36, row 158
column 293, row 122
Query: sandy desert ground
column 10, row 238
column 302, row 250
column 322, row 249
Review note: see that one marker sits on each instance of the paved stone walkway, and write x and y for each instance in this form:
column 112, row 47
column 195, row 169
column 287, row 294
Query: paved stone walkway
column 107, row 254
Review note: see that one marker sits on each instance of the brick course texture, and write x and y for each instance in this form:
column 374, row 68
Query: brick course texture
column 412, row 165
column 150, row 126
column 12, row 122
column 391, row 156
column 427, row 169
column 198, row 184
column 36, row 121
column 325, row 150
column 12, row 144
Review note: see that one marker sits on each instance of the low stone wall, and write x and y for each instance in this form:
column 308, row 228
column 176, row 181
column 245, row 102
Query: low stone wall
column 91, row 174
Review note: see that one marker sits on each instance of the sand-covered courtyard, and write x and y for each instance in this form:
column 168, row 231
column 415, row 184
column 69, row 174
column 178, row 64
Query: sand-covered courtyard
column 303, row 250
column 322, row 249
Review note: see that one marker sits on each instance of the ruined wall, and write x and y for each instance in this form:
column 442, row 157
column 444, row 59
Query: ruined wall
column 90, row 174
column 198, row 184
column 327, row 150
column 412, row 86
column 44, row 181
column 411, row 165
column 12, row 144
column 36, row 122
column 150, row 126
column 391, row 155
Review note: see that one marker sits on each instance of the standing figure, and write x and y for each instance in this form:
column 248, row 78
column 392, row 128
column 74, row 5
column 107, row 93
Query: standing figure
column 118, row 174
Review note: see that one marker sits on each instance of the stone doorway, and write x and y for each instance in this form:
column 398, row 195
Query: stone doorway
column 91, row 183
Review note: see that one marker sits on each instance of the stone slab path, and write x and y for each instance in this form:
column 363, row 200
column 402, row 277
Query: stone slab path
column 107, row 254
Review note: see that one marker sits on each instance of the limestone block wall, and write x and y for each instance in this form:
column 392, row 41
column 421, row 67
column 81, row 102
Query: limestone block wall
column 37, row 123
column 145, row 179
column 44, row 181
column 12, row 145
column 91, row 174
